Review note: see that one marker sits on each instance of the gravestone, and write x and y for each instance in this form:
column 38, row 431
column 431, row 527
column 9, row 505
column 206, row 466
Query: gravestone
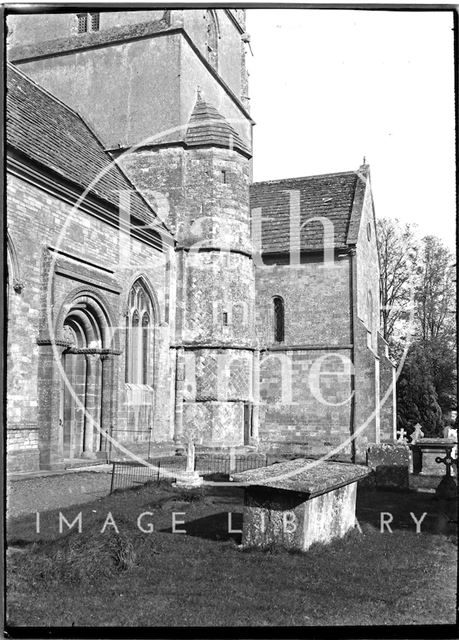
column 296, row 503
column 417, row 434
column 390, row 464
column 427, row 459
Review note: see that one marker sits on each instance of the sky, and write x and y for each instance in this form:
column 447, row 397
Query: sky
column 329, row 87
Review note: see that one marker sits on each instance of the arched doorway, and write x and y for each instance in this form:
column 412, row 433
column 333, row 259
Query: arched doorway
column 85, row 330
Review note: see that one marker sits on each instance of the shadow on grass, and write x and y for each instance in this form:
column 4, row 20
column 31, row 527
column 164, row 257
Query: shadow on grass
column 402, row 508
column 213, row 527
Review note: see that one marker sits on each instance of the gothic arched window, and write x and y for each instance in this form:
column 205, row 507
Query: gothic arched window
column 279, row 317
column 139, row 336
column 211, row 38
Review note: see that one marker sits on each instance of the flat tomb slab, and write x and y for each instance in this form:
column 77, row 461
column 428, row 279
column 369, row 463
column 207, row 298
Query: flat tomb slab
column 299, row 502
column 304, row 475
column 434, row 443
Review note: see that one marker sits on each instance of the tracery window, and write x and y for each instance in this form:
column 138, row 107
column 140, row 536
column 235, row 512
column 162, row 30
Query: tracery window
column 279, row 319
column 139, row 336
column 211, row 38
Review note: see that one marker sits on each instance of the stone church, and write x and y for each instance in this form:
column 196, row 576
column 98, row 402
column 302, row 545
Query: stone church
column 155, row 293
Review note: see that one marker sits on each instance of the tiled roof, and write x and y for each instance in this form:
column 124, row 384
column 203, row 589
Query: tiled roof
column 329, row 196
column 49, row 133
column 207, row 127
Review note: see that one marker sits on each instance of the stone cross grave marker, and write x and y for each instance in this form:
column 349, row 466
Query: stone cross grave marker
column 417, row 434
column 401, row 433
column 189, row 478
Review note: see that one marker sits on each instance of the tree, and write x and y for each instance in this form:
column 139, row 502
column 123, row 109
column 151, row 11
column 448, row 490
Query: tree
column 418, row 280
column 426, row 389
column 442, row 368
column 417, row 398
column 436, row 293
column 398, row 254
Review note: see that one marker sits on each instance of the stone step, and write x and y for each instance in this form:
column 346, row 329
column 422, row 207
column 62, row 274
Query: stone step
column 77, row 463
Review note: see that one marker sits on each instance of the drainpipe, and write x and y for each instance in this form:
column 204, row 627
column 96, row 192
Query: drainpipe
column 353, row 315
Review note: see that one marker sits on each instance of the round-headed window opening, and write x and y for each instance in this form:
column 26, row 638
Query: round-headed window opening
column 279, row 319
column 369, row 231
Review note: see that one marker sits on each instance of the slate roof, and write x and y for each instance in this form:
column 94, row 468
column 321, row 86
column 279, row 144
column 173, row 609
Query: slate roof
column 51, row 134
column 331, row 196
column 207, row 127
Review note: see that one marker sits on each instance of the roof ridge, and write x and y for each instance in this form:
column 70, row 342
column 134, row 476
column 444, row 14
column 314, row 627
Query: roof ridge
column 316, row 175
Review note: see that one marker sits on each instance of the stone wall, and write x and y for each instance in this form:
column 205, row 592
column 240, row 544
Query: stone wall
column 203, row 194
column 365, row 392
column 38, row 28
column 228, row 40
column 316, row 419
column 316, row 301
column 368, row 269
column 106, row 86
column 306, row 401
column 35, row 28
column 85, row 258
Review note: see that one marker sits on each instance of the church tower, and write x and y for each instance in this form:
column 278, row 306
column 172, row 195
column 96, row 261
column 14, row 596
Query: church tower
column 166, row 93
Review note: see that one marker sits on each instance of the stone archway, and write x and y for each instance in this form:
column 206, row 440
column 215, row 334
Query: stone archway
column 81, row 394
column 77, row 374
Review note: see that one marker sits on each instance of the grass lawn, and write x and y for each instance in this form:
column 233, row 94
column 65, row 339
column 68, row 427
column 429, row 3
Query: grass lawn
column 203, row 578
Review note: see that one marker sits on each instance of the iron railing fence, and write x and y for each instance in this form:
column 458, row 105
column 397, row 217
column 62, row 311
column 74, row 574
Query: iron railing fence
column 127, row 474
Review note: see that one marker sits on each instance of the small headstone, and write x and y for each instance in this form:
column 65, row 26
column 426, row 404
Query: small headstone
column 401, row 433
column 390, row 463
column 417, row 434
column 450, row 434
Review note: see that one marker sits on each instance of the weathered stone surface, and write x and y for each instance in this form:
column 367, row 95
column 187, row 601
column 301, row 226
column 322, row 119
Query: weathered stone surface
column 35, row 220
column 390, row 463
column 285, row 519
column 303, row 475
column 295, row 504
